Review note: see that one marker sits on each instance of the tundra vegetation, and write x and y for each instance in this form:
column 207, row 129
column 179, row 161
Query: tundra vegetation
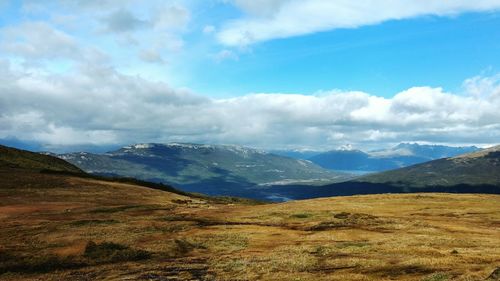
column 58, row 226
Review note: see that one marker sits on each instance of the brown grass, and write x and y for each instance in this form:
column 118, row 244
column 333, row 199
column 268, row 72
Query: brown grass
column 163, row 236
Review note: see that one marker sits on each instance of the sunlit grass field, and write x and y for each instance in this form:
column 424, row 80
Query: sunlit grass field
column 57, row 227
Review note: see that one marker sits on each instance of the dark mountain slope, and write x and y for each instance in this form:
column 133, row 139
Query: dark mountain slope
column 477, row 172
column 478, row 168
column 209, row 169
column 21, row 169
column 12, row 157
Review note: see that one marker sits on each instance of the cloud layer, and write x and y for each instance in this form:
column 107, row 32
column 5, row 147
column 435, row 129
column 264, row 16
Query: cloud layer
column 99, row 106
column 76, row 73
column 268, row 20
column 125, row 32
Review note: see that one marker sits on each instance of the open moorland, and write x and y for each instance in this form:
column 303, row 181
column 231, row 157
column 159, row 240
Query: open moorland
column 66, row 227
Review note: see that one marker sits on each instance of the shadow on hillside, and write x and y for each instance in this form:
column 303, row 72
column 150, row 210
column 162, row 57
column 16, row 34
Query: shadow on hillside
column 361, row 188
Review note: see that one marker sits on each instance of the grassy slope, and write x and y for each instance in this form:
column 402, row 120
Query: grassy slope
column 12, row 157
column 48, row 219
column 479, row 168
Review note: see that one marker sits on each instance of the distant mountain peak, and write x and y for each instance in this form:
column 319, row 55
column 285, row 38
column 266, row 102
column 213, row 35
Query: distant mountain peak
column 139, row 146
column 406, row 145
column 185, row 145
column 401, row 155
column 414, row 145
column 195, row 146
column 346, row 147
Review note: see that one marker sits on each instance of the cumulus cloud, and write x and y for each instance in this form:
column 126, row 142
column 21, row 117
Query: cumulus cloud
column 151, row 56
column 58, row 35
column 171, row 17
column 123, row 20
column 285, row 18
column 157, row 28
column 260, row 7
column 165, row 17
column 479, row 86
column 99, row 106
column 36, row 40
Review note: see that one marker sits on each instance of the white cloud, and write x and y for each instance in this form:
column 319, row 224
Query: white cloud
column 64, row 136
column 123, row 20
column 100, row 106
column 479, row 86
column 151, row 56
column 285, row 18
column 171, row 17
column 58, row 35
column 260, row 7
column 38, row 40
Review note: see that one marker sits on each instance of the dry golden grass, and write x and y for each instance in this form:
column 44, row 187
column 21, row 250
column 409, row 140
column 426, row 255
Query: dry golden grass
column 378, row 237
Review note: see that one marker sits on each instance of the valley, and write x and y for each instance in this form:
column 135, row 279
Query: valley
column 250, row 173
column 209, row 169
column 59, row 227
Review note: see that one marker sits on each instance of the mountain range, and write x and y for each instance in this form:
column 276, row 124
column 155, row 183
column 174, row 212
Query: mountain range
column 474, row 169
column 239, row 171
column 209, row 169
column 402, row 155
column 476, row 172
column 59, row 223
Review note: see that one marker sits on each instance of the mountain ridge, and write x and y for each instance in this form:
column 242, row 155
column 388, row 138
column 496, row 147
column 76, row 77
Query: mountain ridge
column 399, row 156
column 476, row 172
column 477, row 168
column 213, row 169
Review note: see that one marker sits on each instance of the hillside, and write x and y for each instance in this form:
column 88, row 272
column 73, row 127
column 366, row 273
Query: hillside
column 478, row 168
column 209, row 169
column 12, row 157
column 402, row 155
column 65, row 227
column 477, row 172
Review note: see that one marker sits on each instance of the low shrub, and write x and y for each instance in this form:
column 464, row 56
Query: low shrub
column 108, row 252
column 437, row 277
column 342, row 215
column 92, row 222
column 105, row 252
column 301, row 216
column 36, row 263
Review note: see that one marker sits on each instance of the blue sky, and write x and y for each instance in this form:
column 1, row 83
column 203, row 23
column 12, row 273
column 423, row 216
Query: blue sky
column 271, row 74
column 382, row 59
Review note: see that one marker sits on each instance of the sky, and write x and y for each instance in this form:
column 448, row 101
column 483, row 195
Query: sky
column 272, row 74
